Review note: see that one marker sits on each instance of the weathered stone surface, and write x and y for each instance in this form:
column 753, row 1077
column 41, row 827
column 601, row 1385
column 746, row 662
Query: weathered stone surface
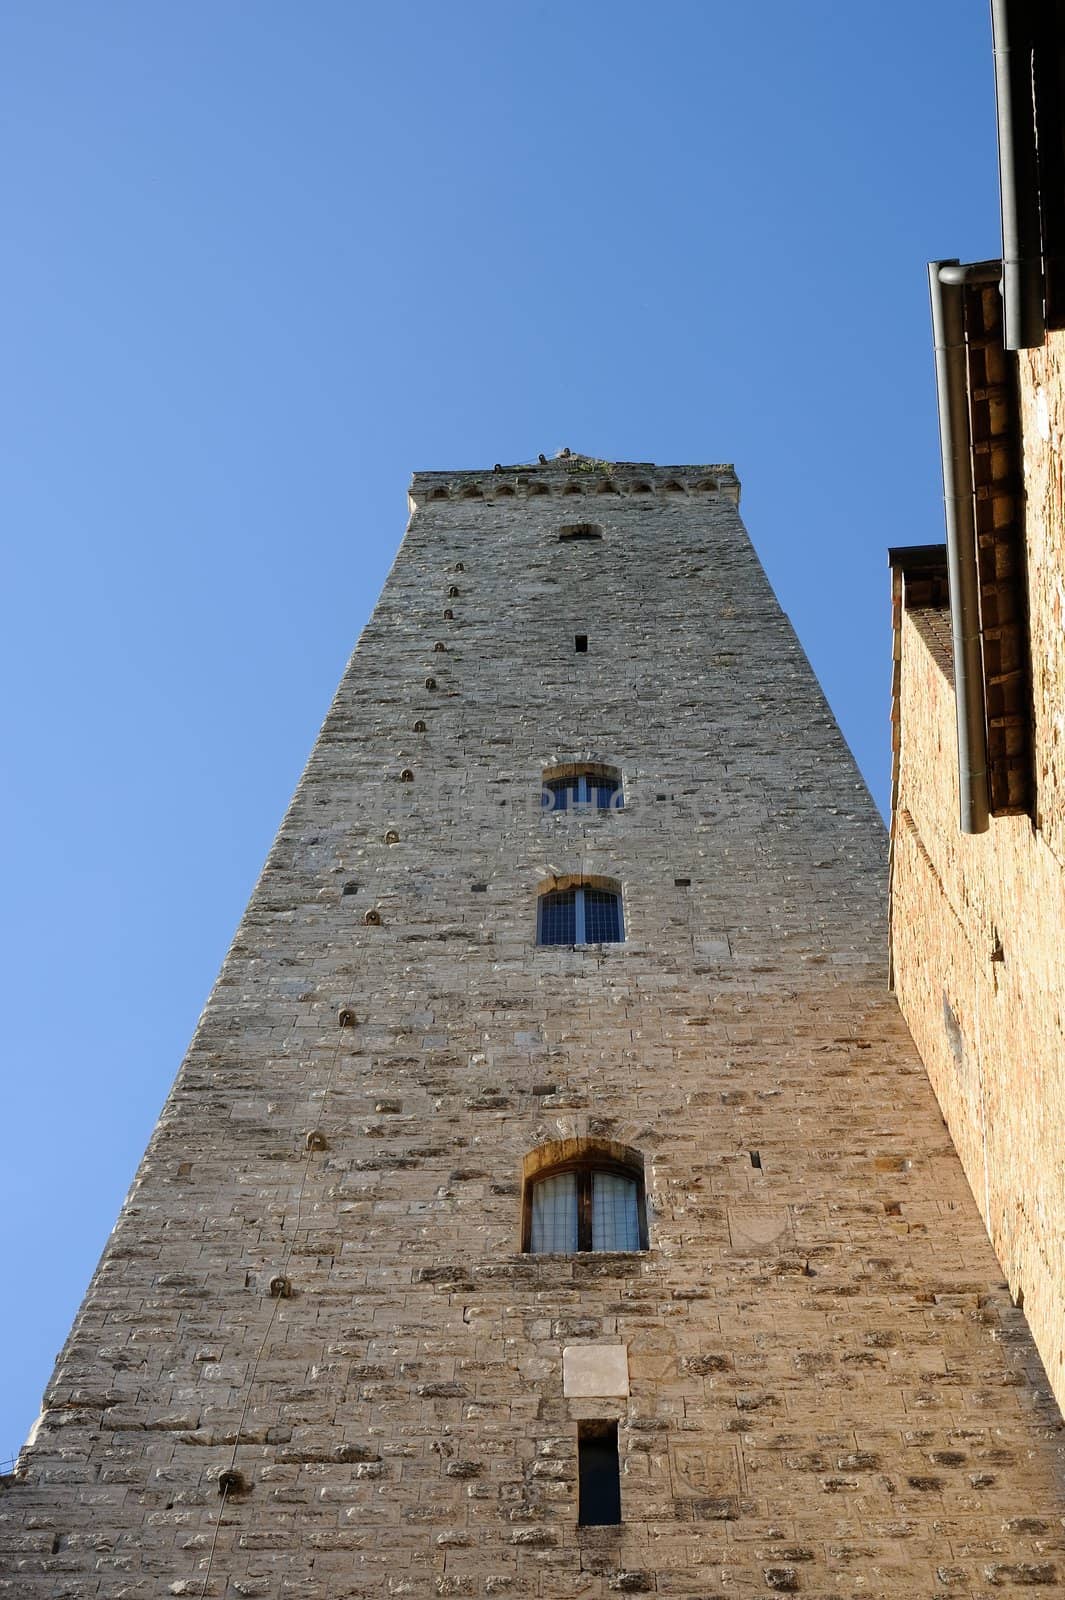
column 594, row 1370
column 978, row 920
column 804, row 1334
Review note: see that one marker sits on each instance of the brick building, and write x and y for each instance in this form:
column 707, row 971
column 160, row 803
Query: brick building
column 978, row 839
column 552, row 1202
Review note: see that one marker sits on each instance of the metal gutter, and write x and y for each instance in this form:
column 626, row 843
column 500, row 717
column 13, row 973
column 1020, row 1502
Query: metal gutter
column 1018, row 175
column 946, row 280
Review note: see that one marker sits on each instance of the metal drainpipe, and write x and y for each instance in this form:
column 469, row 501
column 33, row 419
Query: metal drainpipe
column 946, row 280
column 1018, row 176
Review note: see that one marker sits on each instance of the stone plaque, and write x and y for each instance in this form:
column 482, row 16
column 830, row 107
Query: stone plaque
column 701, row 1471
column 591, row 1371
column 758, row 1228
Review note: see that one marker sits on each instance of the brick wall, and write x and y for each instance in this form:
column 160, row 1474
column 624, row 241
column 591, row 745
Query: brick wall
column 829, row 1390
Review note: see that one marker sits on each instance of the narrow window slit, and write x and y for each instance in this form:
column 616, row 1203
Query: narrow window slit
column 579, row 530
column 580, row 644
column 756, row 1159
column 599, row 1474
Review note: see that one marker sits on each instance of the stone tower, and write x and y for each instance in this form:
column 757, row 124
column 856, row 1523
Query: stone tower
column 552, row 1202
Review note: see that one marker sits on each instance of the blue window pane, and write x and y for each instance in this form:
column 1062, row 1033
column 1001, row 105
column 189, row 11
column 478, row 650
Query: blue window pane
column 554, row 1216
column 579, row 916
column 558, row 917
column 615, row 1214
column 602, row 916
column 564, row 794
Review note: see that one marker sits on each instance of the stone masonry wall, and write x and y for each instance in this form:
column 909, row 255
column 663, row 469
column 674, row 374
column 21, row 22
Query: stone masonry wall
column 830, row 1391
column 977, row 945
column 1042, row 389
column 978, row 922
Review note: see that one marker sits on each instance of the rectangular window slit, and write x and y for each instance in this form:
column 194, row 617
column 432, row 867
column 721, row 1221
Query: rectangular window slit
column 682, row 883
column 599, row 1474
column 756, row 1159
column 580, row 644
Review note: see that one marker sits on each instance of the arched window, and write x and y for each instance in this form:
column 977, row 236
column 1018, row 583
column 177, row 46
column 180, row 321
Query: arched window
column 583, row 1195
column 591, row 785
column 575, row 911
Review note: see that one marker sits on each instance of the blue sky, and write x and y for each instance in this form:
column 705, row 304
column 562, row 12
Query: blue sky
column 265, row 260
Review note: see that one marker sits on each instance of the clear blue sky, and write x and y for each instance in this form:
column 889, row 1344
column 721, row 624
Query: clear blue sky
column 262, row 261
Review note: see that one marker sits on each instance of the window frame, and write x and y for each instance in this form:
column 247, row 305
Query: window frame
column 580, row 916
column 581, row 782
column 585, row 1167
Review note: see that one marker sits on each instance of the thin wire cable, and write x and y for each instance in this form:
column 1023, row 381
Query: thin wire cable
column 214, row 1541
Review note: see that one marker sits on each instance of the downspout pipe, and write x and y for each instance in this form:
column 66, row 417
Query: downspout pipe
column 1018, row 175
column 946, row 282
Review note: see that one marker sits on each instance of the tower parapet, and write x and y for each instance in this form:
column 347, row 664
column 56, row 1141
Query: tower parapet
column 571, row 476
